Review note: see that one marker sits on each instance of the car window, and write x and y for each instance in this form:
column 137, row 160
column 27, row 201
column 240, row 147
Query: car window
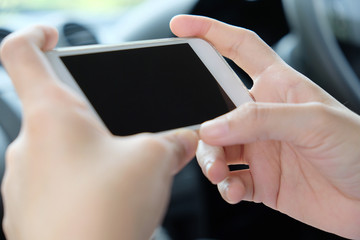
column 16, row 13
column 78, row 5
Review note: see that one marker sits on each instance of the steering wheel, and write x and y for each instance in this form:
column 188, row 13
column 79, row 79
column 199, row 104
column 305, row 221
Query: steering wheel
column 326, row 64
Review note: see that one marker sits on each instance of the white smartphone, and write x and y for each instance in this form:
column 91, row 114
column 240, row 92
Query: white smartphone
column 151, row 86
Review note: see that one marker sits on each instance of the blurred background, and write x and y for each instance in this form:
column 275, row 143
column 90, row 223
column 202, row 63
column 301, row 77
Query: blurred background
column 319, row 38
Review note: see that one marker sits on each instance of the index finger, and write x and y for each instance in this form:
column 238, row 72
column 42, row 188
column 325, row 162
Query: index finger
column 242, row 46
column 23, row 57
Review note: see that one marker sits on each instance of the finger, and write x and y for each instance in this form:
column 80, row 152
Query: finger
column 181, row 146
column 212, row 162
column 23, row 58
column 243, row 46
column 253, row 122
column 237, row 187
column 234, row 155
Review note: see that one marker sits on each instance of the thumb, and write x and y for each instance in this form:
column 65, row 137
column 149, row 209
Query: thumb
column 180, row 148
column 253, row 122
column 23, row 58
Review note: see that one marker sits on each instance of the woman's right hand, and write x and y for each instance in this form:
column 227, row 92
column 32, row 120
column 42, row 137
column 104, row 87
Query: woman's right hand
column 301, row 145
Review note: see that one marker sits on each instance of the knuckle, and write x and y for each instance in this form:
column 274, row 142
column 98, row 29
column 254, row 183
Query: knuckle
column 150, row 144
column 21, row 41
column 8, row 45
column 11, row 153
column 246, row 35
column 6, row 224
column 6, row 187
column 249, row 111
column 250, row 35
column 161, row 150
column 154, row 150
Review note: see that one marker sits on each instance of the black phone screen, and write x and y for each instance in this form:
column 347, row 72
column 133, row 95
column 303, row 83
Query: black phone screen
column 148, row 89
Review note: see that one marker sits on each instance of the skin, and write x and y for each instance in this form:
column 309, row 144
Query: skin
column 301, row 145
column 66, row 176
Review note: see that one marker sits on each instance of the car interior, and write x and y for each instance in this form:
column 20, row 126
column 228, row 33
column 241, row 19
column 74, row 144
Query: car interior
column 319, row 38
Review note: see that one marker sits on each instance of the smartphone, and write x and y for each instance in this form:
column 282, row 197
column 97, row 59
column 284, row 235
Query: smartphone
column 151, row 86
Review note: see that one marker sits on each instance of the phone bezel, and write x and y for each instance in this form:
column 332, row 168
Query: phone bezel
column 211, row 58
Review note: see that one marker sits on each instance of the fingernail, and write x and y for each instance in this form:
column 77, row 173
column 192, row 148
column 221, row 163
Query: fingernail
column 215, row 128
column 207, row 167
column 232, row 193
column 227, row 195
column 225, row 190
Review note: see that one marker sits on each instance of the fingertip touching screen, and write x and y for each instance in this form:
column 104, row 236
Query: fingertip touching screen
column 148, row 89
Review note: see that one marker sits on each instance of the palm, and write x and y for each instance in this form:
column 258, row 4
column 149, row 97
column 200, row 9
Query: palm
column 293, row 178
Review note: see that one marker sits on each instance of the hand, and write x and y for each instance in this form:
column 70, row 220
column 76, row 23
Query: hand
column 301, row 145
column 66, row 176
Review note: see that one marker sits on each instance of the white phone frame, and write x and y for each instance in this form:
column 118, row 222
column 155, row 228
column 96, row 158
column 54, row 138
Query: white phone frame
column 212, row 59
